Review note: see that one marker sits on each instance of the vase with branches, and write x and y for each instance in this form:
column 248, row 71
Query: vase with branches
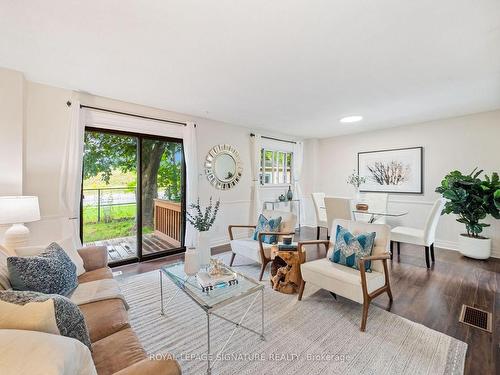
column 356, row 181
column 202, row 219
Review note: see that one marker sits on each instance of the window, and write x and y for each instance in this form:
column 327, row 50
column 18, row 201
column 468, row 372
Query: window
column 276, row 167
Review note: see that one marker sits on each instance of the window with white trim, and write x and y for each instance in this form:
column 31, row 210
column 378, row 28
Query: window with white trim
column 275, row 167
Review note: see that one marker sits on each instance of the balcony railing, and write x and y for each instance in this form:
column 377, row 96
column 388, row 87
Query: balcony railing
column 168, row 221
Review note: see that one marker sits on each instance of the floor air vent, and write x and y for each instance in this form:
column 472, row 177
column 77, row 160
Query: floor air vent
column 476, row 318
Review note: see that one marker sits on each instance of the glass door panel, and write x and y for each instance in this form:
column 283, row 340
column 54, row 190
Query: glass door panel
column 109, row 193
column 161, row 201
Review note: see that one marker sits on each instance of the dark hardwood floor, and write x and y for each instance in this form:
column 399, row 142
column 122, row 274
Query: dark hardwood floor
column 432, row 297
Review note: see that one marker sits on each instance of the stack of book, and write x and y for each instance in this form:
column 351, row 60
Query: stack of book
column 210, row 282
column 290, row 247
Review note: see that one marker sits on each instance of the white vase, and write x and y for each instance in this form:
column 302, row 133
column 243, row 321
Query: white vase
column 477, row 248
column 204, row 248
column 191, row 262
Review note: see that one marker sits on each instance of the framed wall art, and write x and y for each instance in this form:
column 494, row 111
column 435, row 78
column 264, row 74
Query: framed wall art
column 392, row 171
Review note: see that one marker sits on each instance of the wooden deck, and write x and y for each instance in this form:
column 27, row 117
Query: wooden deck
column 126, row 247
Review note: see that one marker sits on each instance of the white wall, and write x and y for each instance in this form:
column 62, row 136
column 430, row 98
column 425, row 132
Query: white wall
column 46, row 129
column 461, row 143
column 11, row 132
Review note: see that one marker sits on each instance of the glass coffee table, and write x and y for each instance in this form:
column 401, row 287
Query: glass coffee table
column 214, row 300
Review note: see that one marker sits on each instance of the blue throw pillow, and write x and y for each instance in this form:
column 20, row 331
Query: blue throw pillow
column 51, row 272
column 350, row 248
column 265, row 225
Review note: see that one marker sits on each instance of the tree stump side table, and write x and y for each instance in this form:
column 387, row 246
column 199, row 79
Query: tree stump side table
column 285, row 270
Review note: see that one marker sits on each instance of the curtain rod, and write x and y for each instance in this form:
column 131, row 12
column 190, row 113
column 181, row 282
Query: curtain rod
column 274, row 139
column 131, row 114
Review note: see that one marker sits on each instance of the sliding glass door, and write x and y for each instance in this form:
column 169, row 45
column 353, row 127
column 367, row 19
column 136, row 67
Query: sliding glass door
column 132, row 194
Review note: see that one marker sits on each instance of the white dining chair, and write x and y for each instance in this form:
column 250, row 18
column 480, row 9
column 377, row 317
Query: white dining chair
column 319, row 207
column 377, row 202
column 337, row 208
column 421, row 237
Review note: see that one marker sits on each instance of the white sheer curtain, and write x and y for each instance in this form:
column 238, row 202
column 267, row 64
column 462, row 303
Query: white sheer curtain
column 256, row 155
column 70, row 180
column 298, row 159
column 191, row 159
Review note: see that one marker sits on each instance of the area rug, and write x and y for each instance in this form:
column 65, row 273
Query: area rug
column 317, row 335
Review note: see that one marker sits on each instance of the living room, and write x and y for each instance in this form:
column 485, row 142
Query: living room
column 284, row 129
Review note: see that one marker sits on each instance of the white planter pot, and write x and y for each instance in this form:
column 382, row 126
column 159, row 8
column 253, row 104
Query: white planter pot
column 204, row 248
column 477, row 248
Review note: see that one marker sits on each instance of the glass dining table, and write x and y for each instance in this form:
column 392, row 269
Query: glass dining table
column 375, row 214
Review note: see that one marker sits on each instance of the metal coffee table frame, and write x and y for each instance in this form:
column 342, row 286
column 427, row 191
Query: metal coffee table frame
column 184, row 285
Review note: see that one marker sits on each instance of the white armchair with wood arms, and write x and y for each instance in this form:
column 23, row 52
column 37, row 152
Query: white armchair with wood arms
column 357, row 285
column 258, row 250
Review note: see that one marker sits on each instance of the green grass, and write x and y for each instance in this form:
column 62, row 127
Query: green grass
column 121, row 224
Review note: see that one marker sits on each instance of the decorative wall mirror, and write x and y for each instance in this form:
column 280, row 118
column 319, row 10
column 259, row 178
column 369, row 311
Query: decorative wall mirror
column 223, row 166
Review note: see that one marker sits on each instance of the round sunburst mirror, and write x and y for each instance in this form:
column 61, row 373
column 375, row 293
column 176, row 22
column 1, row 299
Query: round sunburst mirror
column 223, row 166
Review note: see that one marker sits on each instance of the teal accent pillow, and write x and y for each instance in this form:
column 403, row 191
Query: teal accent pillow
column 350, row 248
column 51, row 272
column 265, row 225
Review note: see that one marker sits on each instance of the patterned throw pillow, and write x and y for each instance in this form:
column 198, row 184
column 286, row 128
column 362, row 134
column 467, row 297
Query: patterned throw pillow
column 50, row 313
column 51, row 272
column 350, row 248
column 265, row 225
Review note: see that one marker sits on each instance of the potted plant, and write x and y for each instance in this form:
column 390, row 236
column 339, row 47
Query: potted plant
column 356, row 180
column 202, row 221
column 472, row 199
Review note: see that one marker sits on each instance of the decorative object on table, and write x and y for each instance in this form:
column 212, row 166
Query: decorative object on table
column 356, row 180
column 350, row 248
column 392, row 171
column 202, row 222
column 287, row 240
column 17, row 210
column 285, row 270
column 267, row 225
column 472, row 199
column 217, row 276
column 289, row 194
column 191, row 261
column 282, row 198
column 361, row 207
column 223, row 166
column 51, row 272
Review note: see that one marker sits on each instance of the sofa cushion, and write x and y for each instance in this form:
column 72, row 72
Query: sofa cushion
column 51, row 272
column 50, row 313
column 38, row 353
column 104, row 318
column 98, row 274
column 250, row 249
column 340, row 279
column 117, row 351
column 4, row 272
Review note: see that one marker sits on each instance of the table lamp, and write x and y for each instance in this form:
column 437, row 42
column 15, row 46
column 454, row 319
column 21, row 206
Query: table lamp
column 17, row 210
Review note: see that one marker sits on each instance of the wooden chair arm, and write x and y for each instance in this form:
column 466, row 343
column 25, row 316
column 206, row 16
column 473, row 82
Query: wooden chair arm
column 314, row 242
column 376, row 257
column 230, row 229
column 362, row 268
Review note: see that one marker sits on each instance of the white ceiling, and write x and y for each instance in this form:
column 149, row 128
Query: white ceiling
column 287, row 65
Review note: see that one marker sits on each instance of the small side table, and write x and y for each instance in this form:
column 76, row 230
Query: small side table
column 285, row 270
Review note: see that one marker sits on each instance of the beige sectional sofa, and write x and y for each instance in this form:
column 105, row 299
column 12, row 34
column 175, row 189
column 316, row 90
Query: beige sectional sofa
column 115, row 347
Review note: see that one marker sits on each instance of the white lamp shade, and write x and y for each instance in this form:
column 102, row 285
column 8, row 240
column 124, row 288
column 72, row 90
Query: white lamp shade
column 21, row 209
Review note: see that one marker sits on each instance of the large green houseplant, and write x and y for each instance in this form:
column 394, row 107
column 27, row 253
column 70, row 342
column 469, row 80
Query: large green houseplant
column 472, row 199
